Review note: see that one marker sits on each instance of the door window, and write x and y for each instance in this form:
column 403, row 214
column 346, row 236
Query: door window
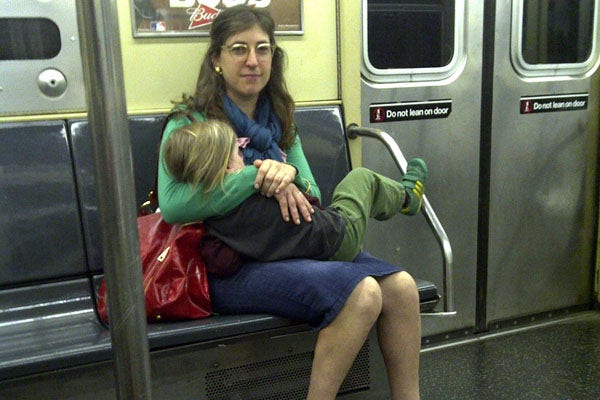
column 28, row 39
column 554, row 37
column 410, row 40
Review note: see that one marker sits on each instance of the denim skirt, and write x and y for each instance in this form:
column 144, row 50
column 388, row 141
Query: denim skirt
column 300, row 289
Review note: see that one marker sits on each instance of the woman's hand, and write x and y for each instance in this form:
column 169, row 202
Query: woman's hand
column 294, row 204
column 273, row 176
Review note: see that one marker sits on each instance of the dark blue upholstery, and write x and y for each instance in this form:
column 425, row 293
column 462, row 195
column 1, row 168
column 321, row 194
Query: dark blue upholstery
column 50, row 247
column 145, row 134
column 40, row 231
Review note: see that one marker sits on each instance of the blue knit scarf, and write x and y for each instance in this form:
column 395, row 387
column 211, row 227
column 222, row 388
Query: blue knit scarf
column 264, row 132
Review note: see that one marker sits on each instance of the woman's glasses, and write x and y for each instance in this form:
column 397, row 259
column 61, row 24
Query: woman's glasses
column 240, row 51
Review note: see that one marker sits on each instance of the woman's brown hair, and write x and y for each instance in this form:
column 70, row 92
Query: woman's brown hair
column 210, row 85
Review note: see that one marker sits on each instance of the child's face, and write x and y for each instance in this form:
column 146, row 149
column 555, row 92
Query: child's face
column 236, row 160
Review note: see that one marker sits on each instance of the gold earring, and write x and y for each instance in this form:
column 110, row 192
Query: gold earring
column 219, row 71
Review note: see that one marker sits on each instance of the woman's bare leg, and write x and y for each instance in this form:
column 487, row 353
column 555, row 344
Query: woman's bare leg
column 339, row 342
column 399, row 334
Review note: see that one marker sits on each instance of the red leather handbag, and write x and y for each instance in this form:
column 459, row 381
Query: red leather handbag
column 174, row 273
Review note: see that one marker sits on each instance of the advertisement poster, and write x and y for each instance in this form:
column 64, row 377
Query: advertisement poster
column 155, row 18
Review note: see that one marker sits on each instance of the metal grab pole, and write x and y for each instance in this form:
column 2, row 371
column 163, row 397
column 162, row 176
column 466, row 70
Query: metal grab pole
column 107, row 114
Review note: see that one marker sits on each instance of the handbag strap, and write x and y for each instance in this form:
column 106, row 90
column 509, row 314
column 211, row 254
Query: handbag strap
column 150, row 205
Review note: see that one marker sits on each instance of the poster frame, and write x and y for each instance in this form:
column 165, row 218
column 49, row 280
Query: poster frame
column 156, row 29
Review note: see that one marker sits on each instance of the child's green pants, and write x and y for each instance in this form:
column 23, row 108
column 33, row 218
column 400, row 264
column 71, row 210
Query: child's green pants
column 361, row 195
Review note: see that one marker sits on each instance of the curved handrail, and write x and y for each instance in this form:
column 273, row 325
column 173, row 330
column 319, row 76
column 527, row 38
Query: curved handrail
column 353, row 131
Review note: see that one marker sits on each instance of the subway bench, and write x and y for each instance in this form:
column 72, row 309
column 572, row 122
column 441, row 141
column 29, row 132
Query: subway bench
column 51, row 265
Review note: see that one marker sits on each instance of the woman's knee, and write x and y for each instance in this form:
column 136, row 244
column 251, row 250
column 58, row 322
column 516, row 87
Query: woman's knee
column 367, row 298
column 399, row 290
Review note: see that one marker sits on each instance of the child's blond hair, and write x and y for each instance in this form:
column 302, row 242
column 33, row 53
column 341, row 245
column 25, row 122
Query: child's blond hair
column 199, row 153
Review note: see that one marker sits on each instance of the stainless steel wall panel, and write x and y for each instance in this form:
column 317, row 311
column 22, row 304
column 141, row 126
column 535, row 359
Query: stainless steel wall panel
column 33, row 86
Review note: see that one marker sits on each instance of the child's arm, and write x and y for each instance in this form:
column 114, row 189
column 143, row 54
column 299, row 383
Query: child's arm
column 179, row 203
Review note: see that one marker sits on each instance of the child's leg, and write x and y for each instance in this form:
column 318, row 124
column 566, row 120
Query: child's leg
column 365, row 194
column 361, row 195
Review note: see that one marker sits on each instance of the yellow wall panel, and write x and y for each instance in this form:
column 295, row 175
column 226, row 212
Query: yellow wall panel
column 158, row 70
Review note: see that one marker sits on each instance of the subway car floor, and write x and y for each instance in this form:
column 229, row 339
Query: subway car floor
column 554, row 360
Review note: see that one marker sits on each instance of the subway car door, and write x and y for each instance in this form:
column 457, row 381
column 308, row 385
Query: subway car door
column 421, row 83
column 501, row 99
column 543, row 159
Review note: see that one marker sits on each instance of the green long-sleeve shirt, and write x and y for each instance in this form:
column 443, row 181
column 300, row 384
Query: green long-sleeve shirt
column 180, row 204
